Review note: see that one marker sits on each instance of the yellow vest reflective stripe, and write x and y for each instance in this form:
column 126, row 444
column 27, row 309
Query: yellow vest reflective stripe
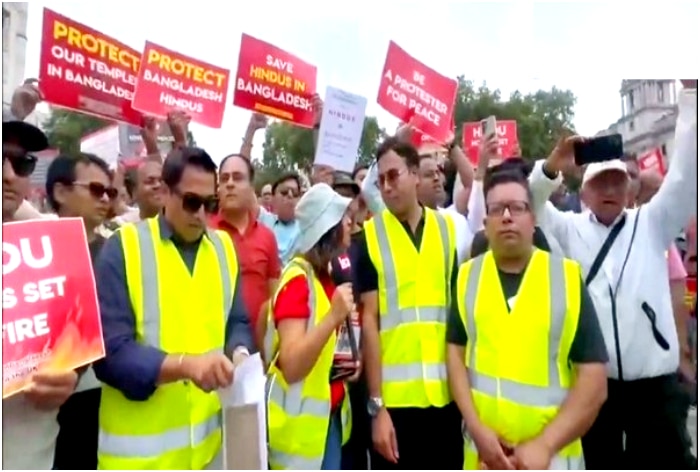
column 414, row 295
column 517, row 406
column 179, row 427
column 299, row 414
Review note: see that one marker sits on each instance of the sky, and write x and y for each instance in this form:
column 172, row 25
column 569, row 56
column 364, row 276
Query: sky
column 587, row 47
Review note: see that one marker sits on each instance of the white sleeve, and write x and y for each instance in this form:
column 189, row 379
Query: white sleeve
column 370, row 190
column 476, row 207
column 675, row 203
column 548, row 217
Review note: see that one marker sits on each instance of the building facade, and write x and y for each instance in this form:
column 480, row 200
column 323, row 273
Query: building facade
column 14, row 45
column 648, row 115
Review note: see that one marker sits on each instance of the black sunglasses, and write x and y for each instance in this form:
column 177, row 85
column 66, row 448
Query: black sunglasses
column 97, row 189
column 23, row 164
column 191, row 202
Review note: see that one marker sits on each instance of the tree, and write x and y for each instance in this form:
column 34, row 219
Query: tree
column 65, row 128
column 542, row 116
column 289, row 147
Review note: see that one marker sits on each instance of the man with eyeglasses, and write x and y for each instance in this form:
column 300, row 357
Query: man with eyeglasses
column 80, row 186
column 285, row 194
column 173, row 318
column 266, row 196
column 29, row 418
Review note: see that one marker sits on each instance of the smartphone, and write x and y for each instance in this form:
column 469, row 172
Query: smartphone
column 488, row 126
column 603, row 148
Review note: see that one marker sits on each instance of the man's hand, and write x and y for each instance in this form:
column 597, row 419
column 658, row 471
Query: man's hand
column 179, row 122
column 25, row 99
column 404, row 133
column 562, row 156
column 490, row 449
column 533, row 455
column 149, row 129
column 258, row 121
column 384, row 437
column 317, row 107
column 208, row 371
column 322, row 174
column 50, row 390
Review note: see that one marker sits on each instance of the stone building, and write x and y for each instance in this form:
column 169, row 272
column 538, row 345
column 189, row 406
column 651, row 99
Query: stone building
column 648, row 115
column 14, row 45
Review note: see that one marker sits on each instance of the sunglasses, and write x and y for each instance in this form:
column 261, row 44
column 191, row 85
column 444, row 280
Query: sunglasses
column 390, row 177
column 191, row 202
column 98, row 190
column 23, row 164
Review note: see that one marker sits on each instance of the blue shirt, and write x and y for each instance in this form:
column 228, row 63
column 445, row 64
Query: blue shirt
column 130, row 366
column 286, row 234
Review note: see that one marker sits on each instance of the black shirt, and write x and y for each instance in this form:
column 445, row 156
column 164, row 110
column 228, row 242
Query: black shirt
column 366, row 276
column 588, row 345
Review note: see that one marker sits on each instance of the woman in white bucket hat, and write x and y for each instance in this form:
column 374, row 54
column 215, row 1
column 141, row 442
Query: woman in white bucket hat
column 308, row 408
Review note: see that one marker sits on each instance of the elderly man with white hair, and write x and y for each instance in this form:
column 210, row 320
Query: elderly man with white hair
column 623, row 255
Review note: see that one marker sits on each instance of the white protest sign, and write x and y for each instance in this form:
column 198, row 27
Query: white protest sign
column 341, row 129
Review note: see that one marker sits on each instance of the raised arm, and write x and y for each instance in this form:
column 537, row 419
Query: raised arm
column 675, row 203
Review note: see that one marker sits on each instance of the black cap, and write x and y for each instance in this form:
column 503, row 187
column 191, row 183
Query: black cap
column 27, row 136
column 343, row 179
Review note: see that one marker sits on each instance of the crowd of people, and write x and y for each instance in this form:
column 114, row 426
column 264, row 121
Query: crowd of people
column 506, row 322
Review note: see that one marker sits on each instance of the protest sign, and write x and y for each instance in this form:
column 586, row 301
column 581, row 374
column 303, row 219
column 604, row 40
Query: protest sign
column 169, row 81
column 50, row 317
column 410, row 89
column 87, row 71
column 341, row 129
column 507, row 131
column 272, row 81
column 653, row 159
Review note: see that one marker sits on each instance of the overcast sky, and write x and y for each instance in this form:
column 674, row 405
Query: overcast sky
column 587, row 47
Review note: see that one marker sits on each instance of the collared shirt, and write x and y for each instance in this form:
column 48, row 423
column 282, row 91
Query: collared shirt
column 286, row 234
column 130, row 366
column 258, row 261
column 627, row 328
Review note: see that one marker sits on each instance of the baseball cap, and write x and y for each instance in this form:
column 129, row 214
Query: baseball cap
column 318, row 210
column 28, row 136
column 343, row 179
column 596, row 168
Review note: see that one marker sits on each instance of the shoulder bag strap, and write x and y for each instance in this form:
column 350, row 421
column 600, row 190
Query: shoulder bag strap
column 604, row 249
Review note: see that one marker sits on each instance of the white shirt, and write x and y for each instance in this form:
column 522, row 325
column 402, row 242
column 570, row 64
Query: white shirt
column 645, row 278
column 29, row 435
column 464, row 225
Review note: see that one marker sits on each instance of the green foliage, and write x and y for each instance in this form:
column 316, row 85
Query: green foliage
column 65, row 128
column 288, row 147
column 541, row 116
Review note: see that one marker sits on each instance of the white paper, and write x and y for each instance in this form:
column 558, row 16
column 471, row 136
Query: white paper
column 341, row 129
column 248, row 388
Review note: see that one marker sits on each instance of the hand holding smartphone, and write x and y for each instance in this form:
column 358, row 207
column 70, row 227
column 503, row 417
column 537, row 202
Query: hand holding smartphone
column 488, row 127
column 600, row 149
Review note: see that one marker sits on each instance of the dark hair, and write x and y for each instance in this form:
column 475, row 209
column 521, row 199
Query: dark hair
column 249, row 165
column 62, row 171
column 357, row 169
column 522, row 166
column 130, row 180
column 325, row 249
column 285, row 177
column 178, row 159
column 405, row 150
column 506, row 176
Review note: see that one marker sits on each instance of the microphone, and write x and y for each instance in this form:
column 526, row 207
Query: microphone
column 341, row 273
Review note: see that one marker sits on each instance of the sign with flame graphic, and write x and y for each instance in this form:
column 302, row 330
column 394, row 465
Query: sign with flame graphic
column 50, row 316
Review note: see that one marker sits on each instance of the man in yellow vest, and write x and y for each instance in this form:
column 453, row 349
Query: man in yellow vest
column 526, row 329
column 172, row 317
column 404, row 269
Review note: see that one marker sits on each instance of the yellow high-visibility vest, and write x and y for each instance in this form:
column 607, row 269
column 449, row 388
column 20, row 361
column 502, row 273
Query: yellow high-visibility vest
column 299, row 413
column 179, row 427
column 518, row 361
column 414, row 296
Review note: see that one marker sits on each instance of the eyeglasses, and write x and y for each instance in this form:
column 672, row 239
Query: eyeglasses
column 98, row 190
column 289, row 193
column 23, row 164
column 515, row 208
column 390, row 177
column 191, row 202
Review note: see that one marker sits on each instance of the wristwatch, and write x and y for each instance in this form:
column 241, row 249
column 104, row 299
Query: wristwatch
column 374, row 406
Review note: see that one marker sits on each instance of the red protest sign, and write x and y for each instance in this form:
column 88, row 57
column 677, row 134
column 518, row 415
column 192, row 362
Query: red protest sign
column 85, row 70
column 272, row 81
column 653, row 159
column 169, row 81
column 507, row 131
column 411, row 90
column 50, row 316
